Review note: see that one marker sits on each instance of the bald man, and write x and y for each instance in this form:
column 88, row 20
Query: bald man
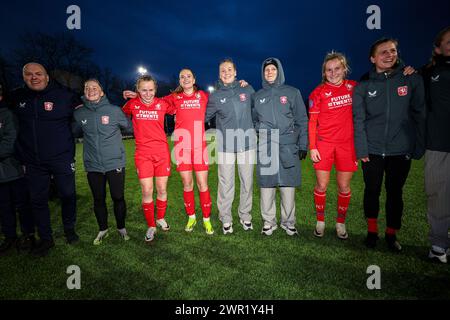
column 45, row 147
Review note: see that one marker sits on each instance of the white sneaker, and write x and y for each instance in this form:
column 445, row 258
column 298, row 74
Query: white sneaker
column 268, row 229
column 247, row 225
column 291, row 231
column 227, row 228
column 438, row 256
column 150, row 235
column 162, row 223
column 320, row 229
column 341, row 232
column 100, row 236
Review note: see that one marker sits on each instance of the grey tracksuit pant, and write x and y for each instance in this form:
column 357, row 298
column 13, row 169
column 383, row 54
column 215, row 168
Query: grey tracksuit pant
column 268, row 206
column 437, row 188
column 225, row 195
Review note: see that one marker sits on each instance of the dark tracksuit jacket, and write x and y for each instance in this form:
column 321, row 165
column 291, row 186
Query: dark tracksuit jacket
column 231, row 105
column 437, row 86
column 281, row 107
column 101, row 125
column 389, row 115
column 13, row 188
column 45, row 145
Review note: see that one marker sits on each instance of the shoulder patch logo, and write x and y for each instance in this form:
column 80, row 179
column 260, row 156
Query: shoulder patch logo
column 372, row 94
column 105, row 119
column 435, row 79
column 242, row 97
column 283, row 99
column 48, row 106
column 402, row 91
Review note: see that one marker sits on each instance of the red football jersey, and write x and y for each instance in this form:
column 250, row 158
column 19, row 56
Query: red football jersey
column 189, row 113
column 148, row 123
column 332, row 107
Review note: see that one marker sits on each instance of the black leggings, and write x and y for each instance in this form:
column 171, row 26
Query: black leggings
column 396, row 169
column 97, row 183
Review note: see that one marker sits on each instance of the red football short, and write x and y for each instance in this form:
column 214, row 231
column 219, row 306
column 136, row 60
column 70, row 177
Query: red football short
column 152, row 164
column 191, row 159
column 342, row 155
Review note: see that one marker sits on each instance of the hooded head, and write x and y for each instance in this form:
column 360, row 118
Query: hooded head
column 270, row 64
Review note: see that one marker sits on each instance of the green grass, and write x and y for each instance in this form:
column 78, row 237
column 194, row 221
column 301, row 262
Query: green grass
column 244, row 265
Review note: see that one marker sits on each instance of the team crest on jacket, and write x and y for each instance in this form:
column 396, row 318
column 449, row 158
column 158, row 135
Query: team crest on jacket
column 105, row 119
column 48, row 106
column 197, row 95
column 402, row 91
column 283, row 99
column 349, row 87
column 158, row 107
column 242, row 97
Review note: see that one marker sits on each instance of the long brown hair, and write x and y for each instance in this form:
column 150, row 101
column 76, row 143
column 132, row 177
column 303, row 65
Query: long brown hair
column 179, row 89
column 437, row 43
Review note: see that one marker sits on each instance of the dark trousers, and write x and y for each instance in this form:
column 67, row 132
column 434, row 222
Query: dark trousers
column 97, row 183
column 15, row 198
column 38, row 178
column 396, row 169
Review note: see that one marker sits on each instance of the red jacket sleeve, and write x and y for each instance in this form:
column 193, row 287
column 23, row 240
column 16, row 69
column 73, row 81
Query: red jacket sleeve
column 314, row 110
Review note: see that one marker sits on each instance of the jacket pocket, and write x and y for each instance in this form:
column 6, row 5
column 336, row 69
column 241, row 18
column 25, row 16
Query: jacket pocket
column 288, row 155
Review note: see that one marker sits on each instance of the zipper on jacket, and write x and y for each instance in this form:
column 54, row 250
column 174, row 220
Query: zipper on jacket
column 388, row 113
column 36, row 118
column 97, row 138
column 277, row 125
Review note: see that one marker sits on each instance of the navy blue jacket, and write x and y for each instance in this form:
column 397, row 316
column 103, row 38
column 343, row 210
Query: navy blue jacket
column 45, row 118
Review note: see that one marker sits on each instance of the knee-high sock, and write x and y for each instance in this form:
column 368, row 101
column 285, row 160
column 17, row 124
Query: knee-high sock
column 189, row 202
column 319, row 202
column 343, row 202
column 372, row 225
column 205, row 202
column 161, row 206
column 149, row 213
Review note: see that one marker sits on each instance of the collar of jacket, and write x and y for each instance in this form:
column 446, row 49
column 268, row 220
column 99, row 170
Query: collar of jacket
column 398, row 68
column 280, row 76
column 221, row 86
column 50, row 86
column 95, row 105
column 442, row 60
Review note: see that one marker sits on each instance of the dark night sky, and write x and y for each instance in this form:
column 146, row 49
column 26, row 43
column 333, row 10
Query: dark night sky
column 165, row 36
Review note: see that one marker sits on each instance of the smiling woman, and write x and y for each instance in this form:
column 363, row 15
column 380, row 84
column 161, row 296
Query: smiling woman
column 389, row 120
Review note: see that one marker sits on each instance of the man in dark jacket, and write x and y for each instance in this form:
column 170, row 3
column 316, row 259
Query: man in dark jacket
column 437, row 156
column 389, row 122
column 13, row 188
column 280, row 118
column 45, row 146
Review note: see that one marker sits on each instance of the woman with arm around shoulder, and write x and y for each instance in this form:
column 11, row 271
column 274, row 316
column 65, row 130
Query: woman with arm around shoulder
column 389, row 121
column 103, row 155
column 437, row 156
column 231, row 104
column 331, row 139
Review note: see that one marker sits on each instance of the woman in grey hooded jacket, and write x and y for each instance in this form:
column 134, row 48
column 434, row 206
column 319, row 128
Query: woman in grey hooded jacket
column 103, row 154
column 280, row 119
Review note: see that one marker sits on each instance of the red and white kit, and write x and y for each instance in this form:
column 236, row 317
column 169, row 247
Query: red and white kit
column 191, row 152
column 152, row 157
column 331, row 126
